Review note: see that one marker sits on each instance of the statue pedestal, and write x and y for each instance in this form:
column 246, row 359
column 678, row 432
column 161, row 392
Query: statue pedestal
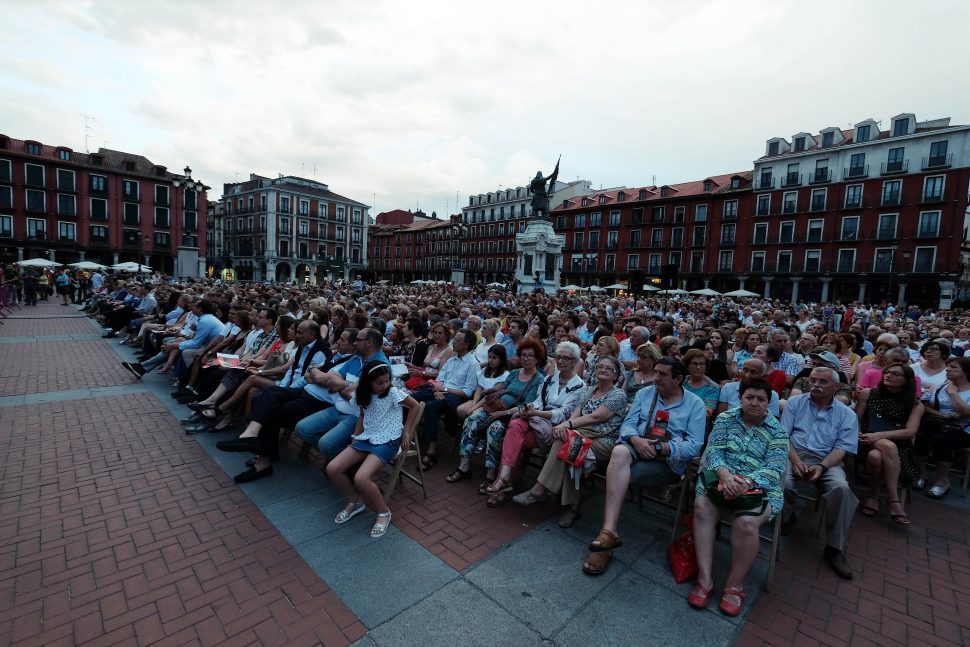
column 539, row 249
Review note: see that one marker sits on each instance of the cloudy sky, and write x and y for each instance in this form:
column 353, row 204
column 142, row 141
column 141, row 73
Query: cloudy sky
column 401, row 103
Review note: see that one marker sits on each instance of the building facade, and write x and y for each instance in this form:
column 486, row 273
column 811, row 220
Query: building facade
column 490, row 223
column 406, row 246
column 107, row 207
column 290, row 228
column 863, row 214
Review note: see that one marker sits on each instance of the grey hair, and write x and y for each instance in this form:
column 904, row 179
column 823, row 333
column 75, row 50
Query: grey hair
column 833, row 374
column 899, row 353
column 642, row 331
column 617, row 366
column 571, row 347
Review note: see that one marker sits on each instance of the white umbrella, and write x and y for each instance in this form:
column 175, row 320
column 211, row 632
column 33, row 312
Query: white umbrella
column 495, row 284
column 132, row 267
column 616, row 286
column 570, row 288
column 596, row 288
column 89, row 265
column 417, row 282
column 650, row 288
column 675, row 291
column 706, row 292
column 742, row 293
column 37, row 262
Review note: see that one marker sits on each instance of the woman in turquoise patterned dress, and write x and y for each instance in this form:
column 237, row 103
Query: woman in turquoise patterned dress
column 748, row 449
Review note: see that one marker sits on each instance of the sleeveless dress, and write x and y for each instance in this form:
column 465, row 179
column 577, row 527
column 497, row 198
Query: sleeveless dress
column 886, row 414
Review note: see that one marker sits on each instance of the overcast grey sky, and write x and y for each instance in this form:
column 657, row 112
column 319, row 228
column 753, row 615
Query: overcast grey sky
column 399, row 102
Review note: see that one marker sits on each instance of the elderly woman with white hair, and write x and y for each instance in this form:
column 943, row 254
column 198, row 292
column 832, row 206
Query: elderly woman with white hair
column 488, row 331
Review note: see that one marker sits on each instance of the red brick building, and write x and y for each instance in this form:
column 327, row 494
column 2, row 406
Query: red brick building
column 619, row 235
column 107, row 207
column 405, row 246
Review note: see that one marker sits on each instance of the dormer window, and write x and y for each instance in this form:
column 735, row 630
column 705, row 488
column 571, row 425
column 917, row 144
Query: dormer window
column 828, row 138
column 129, row 166
column 621, row 197
column 799, row 144
column 862, row 133
column 585, row 202
column 565, row 203
column 33, row 148
column 97, row 160
column 602, row 199
column 643, row 194
column 772, row 148
column 735, row 182
column 664, row 192
column 708, row 186
column 160, row 171
column 901, row 127
column 64, row 154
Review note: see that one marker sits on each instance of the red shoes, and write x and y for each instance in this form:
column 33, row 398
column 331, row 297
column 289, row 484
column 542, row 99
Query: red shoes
column 698, row 597
column 731, row 601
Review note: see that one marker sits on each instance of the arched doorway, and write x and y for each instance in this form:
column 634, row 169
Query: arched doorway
column 302, row 272
column 283, row 272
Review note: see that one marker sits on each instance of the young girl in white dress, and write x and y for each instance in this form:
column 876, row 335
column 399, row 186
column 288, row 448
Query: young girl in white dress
column 374, row 443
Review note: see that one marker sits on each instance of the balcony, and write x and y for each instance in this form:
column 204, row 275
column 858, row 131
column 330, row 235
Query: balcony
column 856, row 172
column 928, row 232
column 886, row 233
column 36, row 208
column 890, row 199
column 759, row 267
column 763, row 210
column 165, row 248
column 730, row 215
column 932, row 196
column 727, row 241
column 131, row 243
column 792, row 179
column 937, row 162
column 892, row 168
column 820, row 176
column 37, row 236
column 765, row 184
column 812, row 267
column 789, row 208
column 131, row 196
column 817, row 204
column 849, row 236
column 725, row 268
column 698, row 243
column 98, row 241
column 854, row 203
column 760, row 240
column 883, row 267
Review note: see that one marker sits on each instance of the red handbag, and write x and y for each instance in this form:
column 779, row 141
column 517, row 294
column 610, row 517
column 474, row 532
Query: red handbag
column 574, row 449
column 682, row 556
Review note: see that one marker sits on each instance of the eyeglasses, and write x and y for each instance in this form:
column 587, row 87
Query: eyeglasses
column 894, row 374
column 565, row 358
column 604, row 367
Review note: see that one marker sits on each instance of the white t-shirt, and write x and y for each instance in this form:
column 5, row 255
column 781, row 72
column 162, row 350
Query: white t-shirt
column 489, row 382
column 383, row 417
column 930, row 382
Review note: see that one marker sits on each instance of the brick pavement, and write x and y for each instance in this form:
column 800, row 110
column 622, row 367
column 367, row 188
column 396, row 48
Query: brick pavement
column 115, row 528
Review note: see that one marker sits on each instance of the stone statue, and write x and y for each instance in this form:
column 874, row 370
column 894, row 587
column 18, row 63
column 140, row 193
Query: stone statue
column 540, row 196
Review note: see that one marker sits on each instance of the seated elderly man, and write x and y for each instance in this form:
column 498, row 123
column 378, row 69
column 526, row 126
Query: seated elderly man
column 729, row 398
column 662, row 433
column 208, row 329
column 822, row 431
column 453, row 385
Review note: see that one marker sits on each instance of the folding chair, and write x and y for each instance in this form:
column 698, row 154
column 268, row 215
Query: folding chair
column 413, row 451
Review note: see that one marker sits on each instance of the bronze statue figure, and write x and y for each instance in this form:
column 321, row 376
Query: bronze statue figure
column 540, row 196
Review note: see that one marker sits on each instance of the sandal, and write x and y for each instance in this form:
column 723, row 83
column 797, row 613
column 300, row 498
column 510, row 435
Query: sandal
column 728, row 606
column 597, row 562
column 495, row 489
column 499, row 498
column 379, row 528
column 429, row 461
column 901, row 518
column 528, row 498
column 343, row 516
column 458, row 475
column 485, row 485
column 870, row 510
column 699, row 597
column 606, row 541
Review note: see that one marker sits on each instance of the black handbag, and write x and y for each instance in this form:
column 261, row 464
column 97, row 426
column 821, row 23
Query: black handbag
column 752, row 503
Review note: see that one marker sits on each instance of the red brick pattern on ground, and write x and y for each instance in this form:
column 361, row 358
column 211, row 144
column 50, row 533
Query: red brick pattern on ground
column 44, row 366
column 910, row 586
column 47, row 320
column 115, row 529
column 453, row 522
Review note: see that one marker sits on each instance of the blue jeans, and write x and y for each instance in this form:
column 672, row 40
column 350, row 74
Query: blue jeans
column 329, row 429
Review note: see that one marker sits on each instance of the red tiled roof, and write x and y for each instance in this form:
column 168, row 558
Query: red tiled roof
column 722, row 184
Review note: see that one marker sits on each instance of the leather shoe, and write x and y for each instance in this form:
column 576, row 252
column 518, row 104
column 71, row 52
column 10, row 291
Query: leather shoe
column 238, row 445
column 836, row 560
column 253, row 474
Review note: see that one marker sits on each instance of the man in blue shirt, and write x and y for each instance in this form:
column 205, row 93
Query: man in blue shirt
column 662, row 433
column 822, row 431
column 517, row 330
column 207, row 329
column 282, row 405
column 331, row 428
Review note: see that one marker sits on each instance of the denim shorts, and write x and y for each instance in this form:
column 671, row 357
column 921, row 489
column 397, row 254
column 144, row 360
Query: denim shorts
column 385, row 452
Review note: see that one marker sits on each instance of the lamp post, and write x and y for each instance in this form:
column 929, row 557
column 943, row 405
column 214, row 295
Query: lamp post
column 186, row 182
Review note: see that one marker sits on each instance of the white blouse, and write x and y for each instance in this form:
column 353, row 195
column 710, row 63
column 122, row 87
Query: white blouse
column 383, row 417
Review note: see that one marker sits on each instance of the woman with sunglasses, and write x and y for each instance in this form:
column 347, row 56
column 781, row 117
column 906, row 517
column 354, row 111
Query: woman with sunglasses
column 889, row 417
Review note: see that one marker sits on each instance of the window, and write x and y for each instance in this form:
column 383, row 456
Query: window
column 304, row 208
column 6, row 174
column 766, row 181
column 161, row 217
column 792, row 177
column 815, row 231
column 813, row 260
column 818, row 200
column 304, row 226
column 99, row 209
column 637, row 215
column 853, row 196
column 696, row 262
column 131, row 214
column 850, row 228
column 339, row 234
column 36, row 229
column 786, row 232
column 578, row 240
column 937, row 154
column 699, row 235
column 674, row 258
column 284, row 226
column 129, row 189
column 161, row 195
column 65, row 180
column 33, row 149
column 99, row 184
column 758, row 262
column 162, row 240
column 857, row 165
column 656, row 237
column 190, row 220
column 846, row 261
column 890, row 192
column 887, row 227
column 614, row 219
column 735, row 183
column 284, row 248
column 821, row 171
column 6, row 227
column 761, row 233
column 66, row 231
column 653, row 263
column 657, row 214
column 772, row 148
column 679, row 214
column 730, row 209
column 36, row 201
column 828, row 138
column 924, row 260
column 34, row 175
column 635, row 238
column 594, row 219
column 594, row 240
column 66, row 205
column 632, row 261
column 284, row 204
column 901, row 127
column 764, row 204
column 725, row 261
column 789, row 202
column 700, row 213
column 784, row 262
column 799, row 144
column 612, row 237
column 580, row 220
column 304, row 250
column 727, row 233
column 929, row 224
column 677, row 237
column 933, row 188
column 895, row 162
column 862, row 133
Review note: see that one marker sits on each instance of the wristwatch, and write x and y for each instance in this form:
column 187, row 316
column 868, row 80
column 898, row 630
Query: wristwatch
column 658, row 447
column 259, row 372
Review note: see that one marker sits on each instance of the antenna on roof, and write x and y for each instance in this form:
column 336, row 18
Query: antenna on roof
column 655, row 180
column 87, row 130
column 314, row 170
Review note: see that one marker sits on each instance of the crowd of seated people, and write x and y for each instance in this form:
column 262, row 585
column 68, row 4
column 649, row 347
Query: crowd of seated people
column 762, row 404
